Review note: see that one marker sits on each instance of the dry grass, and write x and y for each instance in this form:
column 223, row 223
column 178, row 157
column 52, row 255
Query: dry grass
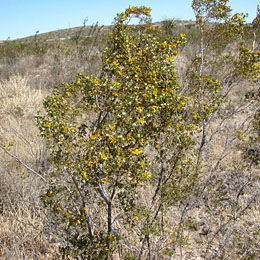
column 22, row 236
column 22, row 217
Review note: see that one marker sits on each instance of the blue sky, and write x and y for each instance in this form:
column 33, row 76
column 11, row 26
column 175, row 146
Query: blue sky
column 21, row 18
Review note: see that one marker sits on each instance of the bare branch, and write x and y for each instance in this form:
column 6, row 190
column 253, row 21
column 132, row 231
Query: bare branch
column 22, row 163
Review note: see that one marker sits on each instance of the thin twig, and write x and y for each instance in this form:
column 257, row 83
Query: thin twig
column 22, row 163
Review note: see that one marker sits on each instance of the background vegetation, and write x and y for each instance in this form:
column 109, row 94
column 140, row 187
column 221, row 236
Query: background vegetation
column 186, row 198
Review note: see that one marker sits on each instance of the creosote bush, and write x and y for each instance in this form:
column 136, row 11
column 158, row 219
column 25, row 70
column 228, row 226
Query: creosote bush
column 135, row 127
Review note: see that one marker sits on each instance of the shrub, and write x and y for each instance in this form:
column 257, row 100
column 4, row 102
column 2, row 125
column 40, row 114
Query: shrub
column 101, row 161
column 125, row 147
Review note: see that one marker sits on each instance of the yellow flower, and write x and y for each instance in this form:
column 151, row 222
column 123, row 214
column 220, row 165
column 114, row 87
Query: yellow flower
column 136, row 218
column 139, row 109
column 117, row 83
column 116, row 64
column 164, row 44
column 118, row 151
column 141, row 120
column 72, row 130
column 154, row 108
column 110, row 236
column 90, row 163
column 101, row 203
column 68, row 93
column 96, row 81
column 85, row 176
column 76, row 222
column 183, row 36
column 48, row 124
column 129, row 137
column 124, row 17
column 169, row 59
column 147, row 174
column 195, row 116
column 142, row 163
column 137, row 152
column 103, row 156
column 131, row 60
column 67, row 213
column 243, row 138
column 155, row 92
column 118, row 160
column 112, row 140
column 112, row 127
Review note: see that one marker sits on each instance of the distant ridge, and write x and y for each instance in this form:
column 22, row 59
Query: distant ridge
column 86, row 31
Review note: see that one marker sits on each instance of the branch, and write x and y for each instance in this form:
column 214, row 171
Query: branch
column 22, row 163
column 83, row 205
